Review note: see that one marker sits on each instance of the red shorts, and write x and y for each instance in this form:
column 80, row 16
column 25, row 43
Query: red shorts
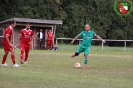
column 50, row 42
column 25, row 47
column 7, row 47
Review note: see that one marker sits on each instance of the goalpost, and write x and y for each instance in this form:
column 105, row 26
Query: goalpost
column 102, row 44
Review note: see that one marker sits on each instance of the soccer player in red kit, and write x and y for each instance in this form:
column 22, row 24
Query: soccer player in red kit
column 50, row 42
column 7, row 44
column 25, row 40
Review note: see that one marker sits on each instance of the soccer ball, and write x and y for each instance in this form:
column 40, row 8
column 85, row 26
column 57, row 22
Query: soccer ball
column 77, row 65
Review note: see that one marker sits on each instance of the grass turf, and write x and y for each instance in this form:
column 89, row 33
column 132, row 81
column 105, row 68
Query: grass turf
column 54, row 69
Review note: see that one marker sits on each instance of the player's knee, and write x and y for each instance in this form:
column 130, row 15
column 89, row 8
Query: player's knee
column 6, row 53
column 76, row 54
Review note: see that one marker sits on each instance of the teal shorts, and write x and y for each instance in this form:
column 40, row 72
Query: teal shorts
column 81, row 49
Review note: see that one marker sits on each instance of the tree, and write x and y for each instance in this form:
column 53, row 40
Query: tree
column 74, row 14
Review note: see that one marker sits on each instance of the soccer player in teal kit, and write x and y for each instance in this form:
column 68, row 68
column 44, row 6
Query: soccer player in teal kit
column 85, row 45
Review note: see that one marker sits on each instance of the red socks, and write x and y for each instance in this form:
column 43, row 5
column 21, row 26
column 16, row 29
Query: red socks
column 22, row 55
column 4, row 59
column 26, row 56
column 13, row 59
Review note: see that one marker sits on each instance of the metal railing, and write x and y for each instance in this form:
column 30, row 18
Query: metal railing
column 124, row 41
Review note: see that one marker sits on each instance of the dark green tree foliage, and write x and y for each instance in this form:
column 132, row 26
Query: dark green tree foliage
column 75, row 14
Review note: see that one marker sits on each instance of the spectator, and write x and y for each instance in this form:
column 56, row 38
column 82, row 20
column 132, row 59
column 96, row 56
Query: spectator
column 40, row 37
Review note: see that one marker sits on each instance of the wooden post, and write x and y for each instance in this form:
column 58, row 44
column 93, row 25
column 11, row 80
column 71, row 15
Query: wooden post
column 45, row 38
column 34, row 40
column 56, row 42
column 125, row 46
column 13, row 36
column 79, row 41
column 102, row 46
column 54, row 31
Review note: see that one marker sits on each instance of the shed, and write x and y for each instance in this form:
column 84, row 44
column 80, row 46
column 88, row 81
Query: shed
column 36, row 25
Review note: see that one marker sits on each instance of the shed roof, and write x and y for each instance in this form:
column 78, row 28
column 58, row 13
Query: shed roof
column 39, row 21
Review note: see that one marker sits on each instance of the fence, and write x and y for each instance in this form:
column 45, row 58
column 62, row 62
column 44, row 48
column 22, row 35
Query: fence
column 102, row 47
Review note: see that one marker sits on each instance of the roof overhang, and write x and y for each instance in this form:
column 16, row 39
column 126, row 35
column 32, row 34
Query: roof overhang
column 33, row 21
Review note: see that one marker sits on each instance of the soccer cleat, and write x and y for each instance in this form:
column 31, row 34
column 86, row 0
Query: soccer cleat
column 73, row 55
column 4, row 64
column 15, row 65
column 85, row 67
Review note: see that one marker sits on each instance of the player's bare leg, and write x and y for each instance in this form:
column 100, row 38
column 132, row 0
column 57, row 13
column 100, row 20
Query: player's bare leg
column 4, row 59
column 85, row 61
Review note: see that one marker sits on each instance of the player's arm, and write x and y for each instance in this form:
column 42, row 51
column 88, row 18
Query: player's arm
column 78, row 36
column 7, row 39
column 98, row 37
column 31, row 38
column 74, row 40
column 19, row 39
column 11, row 41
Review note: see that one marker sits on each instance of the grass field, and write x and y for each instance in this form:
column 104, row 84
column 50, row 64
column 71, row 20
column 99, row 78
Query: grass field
column 54, row 69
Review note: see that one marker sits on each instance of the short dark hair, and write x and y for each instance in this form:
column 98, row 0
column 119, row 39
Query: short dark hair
column 27, row 23
column 12, row 22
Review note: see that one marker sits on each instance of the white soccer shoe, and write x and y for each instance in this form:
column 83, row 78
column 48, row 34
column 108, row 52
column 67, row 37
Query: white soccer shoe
column 4, row 64
column 15, row 65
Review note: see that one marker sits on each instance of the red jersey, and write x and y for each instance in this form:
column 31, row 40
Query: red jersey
column 50, row 35
column 26, row 35
column 8, row 32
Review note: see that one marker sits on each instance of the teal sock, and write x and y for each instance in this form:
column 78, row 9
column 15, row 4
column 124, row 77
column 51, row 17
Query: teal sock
column 85, row 61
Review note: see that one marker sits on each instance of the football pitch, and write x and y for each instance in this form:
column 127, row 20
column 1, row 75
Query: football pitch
column 54, row 69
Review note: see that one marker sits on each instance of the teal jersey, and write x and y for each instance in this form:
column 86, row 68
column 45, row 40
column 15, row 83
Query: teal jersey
column 87, row 38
